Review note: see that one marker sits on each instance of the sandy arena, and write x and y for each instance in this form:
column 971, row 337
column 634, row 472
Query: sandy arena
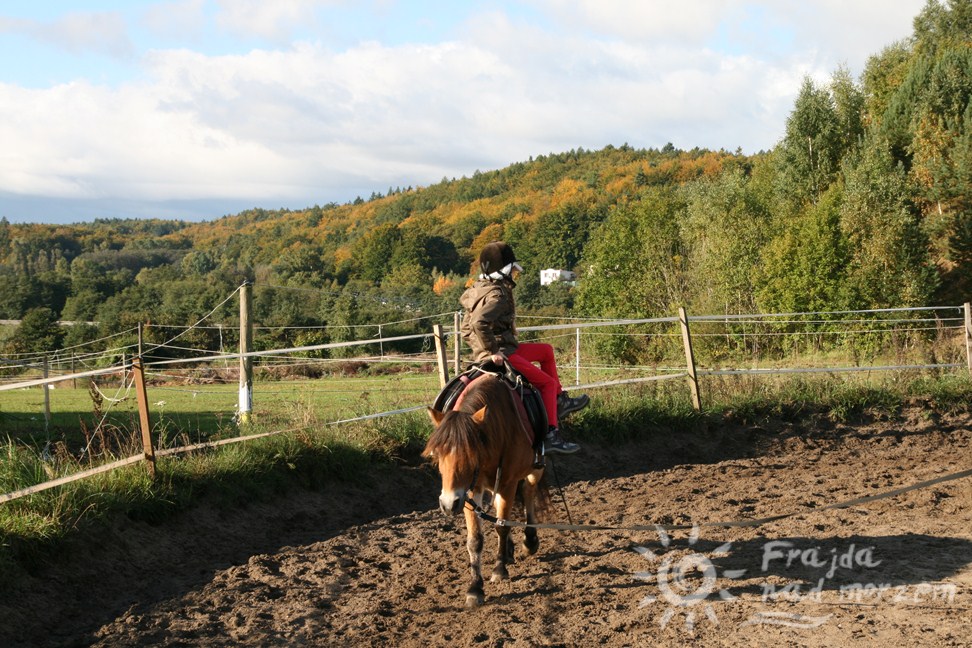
column 376, row 564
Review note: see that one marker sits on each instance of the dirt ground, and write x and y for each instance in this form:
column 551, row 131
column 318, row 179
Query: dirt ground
column 376, row 564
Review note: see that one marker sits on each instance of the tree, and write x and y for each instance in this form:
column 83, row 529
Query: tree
column 4, row 238
column 564, row 234
column 804, row 267
column 373, row 253
column 727, row 225
column 810, row 153
column 942, row 25
column 849, row 105
column 634, row 264
column 888, row 264
column 882, row 76
column 38, row 332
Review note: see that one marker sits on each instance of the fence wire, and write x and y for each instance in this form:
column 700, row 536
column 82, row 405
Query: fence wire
column 653, row 347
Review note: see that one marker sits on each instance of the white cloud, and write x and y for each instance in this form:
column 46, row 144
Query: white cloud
column 850, row 31
column 179, row 19
column 689, row 22
column 79, row 32
column 273, row 21
column 303, row 124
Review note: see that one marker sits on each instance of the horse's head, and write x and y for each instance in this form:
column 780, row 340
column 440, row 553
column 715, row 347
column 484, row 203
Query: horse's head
column 456, row 446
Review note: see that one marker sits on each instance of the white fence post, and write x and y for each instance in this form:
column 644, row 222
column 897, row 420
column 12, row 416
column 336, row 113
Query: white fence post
column 246, row 362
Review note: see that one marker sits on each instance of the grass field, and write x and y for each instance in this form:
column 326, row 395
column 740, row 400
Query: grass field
column 193, row 413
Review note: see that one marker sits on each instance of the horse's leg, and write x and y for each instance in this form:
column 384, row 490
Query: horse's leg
column 504, row 553
column 531, row 542
column 474, row 544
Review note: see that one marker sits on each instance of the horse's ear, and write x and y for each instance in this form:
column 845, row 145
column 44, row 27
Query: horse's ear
column 435, row 415
column 479, row 416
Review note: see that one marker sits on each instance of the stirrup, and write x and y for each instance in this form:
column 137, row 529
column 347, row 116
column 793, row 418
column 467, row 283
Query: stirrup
column 539, row 458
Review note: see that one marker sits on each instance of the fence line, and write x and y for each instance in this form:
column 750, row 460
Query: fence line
column 40, row 382
column 737, row 372
column 121, row 463
column 690, row 372
column 31, row 490
column 910, row 309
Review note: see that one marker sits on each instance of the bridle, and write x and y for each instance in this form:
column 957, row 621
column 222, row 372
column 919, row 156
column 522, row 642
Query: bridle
column 466, row 499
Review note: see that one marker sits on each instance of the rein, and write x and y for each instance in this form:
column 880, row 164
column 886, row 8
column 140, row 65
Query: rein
column 484, row 515
column 479, row 510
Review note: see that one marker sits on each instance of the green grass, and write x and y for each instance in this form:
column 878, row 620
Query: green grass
column 194, row 413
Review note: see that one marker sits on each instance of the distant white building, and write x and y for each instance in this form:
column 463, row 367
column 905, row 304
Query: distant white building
column 551, row 275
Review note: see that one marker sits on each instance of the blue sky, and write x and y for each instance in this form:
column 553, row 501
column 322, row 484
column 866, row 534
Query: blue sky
column 194, row 109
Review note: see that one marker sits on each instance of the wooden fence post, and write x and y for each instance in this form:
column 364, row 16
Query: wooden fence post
column 693, row 379
column 440, row 354
column 246, row 362
column 47, row 396
column 577, row 354
column 968, row 335
column 143, row 415
column 457, row 344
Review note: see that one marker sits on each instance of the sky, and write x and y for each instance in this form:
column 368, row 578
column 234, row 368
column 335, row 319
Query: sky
column 195, row 109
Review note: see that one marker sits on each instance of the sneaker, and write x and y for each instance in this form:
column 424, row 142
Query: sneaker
column 566, row 404
column 553, row 442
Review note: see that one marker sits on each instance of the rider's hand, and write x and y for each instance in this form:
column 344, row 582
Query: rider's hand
column 497, row 358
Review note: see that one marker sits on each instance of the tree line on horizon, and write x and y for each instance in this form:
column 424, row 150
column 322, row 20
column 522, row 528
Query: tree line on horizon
column 864, row 203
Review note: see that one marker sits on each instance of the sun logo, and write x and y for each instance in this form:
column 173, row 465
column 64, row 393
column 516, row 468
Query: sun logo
column 687, row 582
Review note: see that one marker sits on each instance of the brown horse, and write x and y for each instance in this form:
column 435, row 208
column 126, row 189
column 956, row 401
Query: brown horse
column 484, row 445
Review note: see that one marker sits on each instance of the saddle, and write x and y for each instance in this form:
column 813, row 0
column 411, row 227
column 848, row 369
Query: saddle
column 526, row 396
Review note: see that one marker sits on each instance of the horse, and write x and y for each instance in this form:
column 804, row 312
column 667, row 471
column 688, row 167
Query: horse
column 483, row 444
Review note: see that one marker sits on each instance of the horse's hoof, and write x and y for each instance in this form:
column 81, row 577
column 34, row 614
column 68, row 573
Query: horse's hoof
column 474, row 599
column 499, row 575
column 531, row 546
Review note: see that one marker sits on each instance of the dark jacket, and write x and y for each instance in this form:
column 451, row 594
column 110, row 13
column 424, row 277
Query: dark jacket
column 488, row 322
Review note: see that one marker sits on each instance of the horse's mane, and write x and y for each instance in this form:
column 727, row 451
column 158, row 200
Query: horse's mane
column 459, row 435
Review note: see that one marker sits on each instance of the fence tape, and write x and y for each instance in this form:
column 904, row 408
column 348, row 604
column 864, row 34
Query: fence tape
column 57, row 379
column 31, row 490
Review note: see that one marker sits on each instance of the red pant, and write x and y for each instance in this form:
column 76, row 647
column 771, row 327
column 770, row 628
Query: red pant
column 544, row 377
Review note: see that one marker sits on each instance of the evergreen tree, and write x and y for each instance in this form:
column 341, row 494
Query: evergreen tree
column 38, row 332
